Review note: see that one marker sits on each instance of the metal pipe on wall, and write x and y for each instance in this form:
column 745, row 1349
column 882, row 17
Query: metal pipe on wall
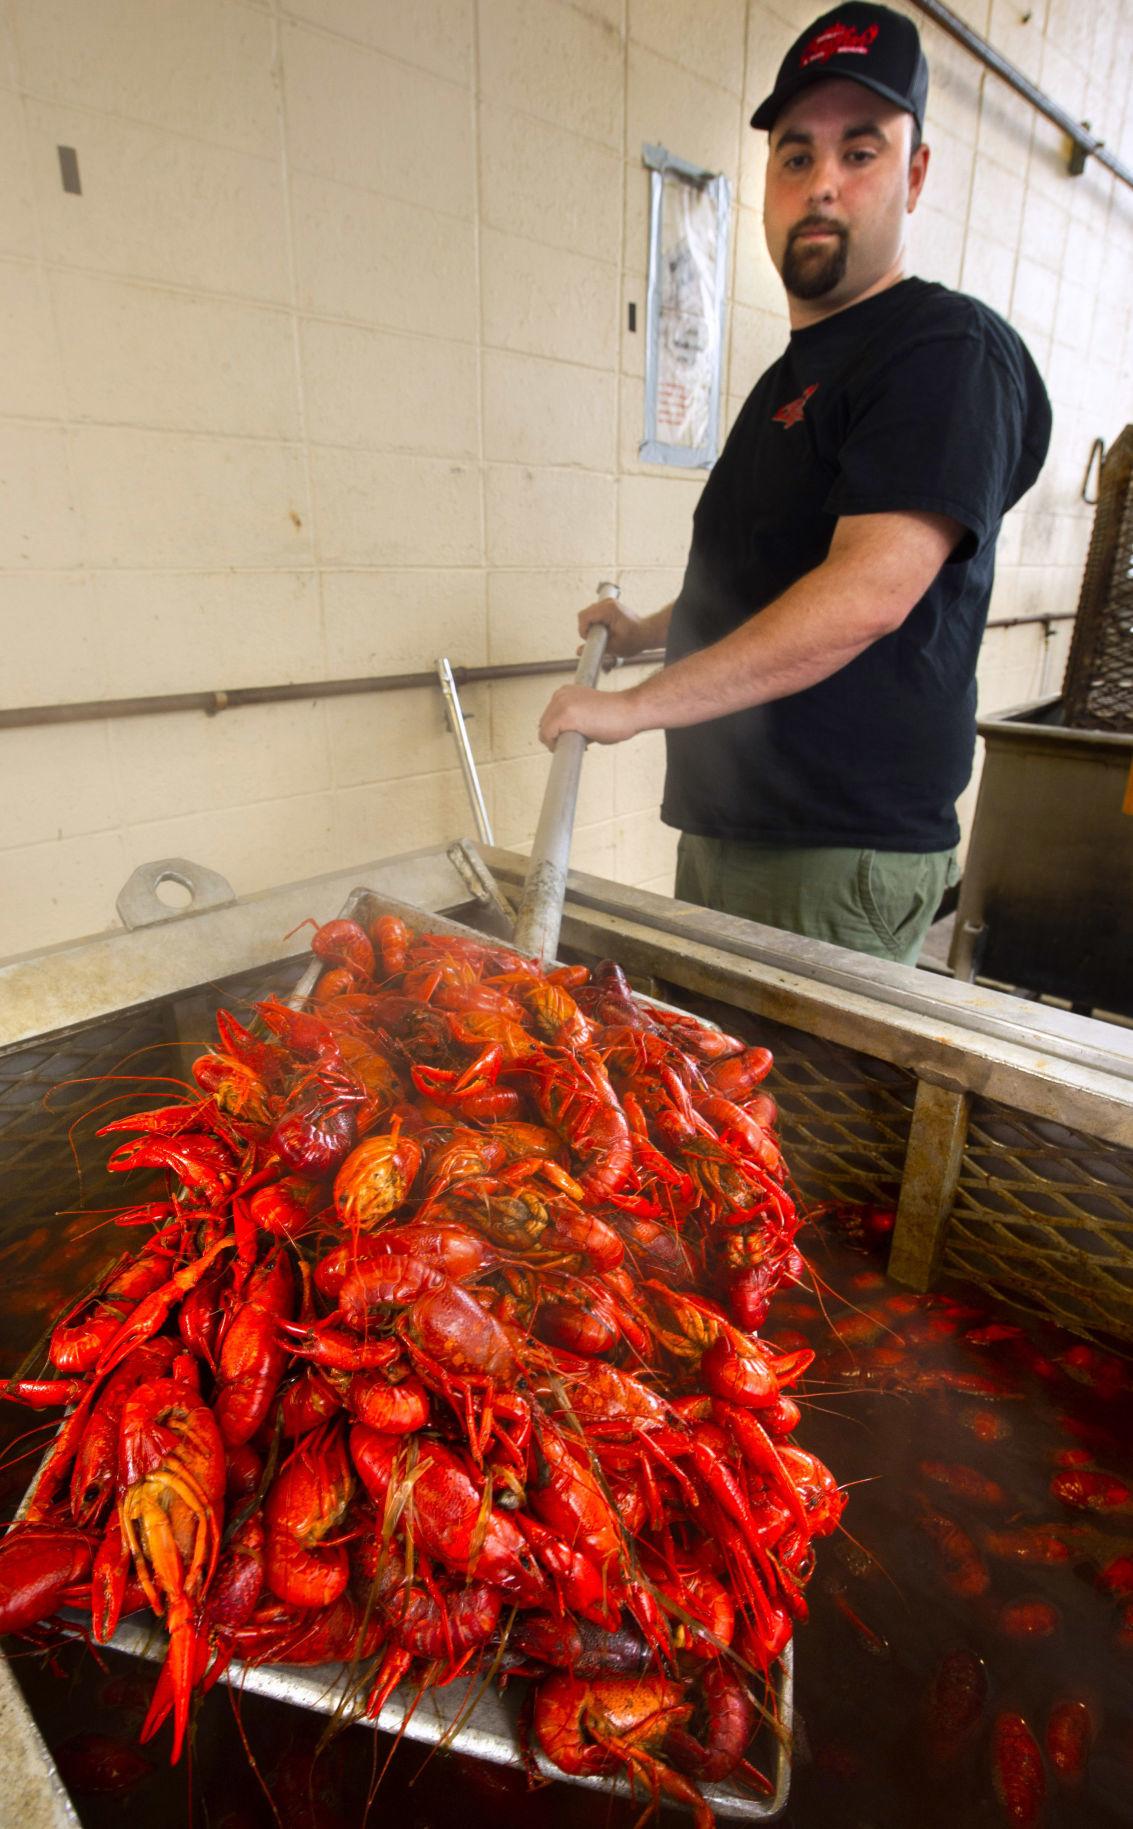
column 20, row 717
column 1088, row 144
column 83, row 711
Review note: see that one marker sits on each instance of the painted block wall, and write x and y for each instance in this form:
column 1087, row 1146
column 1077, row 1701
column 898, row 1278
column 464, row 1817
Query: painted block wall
column 327, row 372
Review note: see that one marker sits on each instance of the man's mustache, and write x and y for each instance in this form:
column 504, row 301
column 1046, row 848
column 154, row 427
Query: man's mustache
column 826, row 223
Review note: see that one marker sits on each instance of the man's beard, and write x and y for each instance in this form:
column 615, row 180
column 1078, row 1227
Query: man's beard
column 810, row 271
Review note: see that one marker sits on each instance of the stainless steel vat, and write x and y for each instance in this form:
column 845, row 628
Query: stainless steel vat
column 1047, row 895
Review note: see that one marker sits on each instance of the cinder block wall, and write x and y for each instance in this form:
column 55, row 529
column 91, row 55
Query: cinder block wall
column 326, row 372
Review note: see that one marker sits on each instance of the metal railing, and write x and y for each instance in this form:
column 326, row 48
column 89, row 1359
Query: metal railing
column 1087, row 144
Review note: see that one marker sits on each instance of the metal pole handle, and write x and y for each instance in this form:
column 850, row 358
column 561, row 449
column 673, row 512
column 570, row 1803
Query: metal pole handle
column 544, row 891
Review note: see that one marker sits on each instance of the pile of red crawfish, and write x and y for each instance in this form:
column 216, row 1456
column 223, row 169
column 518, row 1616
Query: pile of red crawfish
column 441, row 1353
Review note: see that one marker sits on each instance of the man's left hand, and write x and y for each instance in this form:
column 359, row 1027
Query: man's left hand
column 602, row 717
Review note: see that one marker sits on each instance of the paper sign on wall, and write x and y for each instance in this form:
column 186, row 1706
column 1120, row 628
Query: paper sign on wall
column 688, row 265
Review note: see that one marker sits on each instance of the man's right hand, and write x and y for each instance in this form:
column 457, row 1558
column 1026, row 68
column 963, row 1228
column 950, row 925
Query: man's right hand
column 629, row 634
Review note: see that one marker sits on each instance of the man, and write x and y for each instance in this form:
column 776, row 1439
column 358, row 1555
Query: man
column 818, row 696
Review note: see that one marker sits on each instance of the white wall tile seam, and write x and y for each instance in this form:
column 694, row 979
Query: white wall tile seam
column 300, row 23
column 171, row 288
column 311, row 503
column 159, row 128
column 554, row 247
column 485, row 99
column 725, row 90
column 503, row 228
column 597, row 18
column 478, row 358
column 123, row 828
column 509, row 349
column 375, row 190
column 527, row 355
column 52, row 264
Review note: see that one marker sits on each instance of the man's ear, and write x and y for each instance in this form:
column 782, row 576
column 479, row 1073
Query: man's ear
column 918, row 169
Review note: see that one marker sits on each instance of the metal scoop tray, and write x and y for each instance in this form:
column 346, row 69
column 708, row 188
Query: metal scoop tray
column 472, row 1717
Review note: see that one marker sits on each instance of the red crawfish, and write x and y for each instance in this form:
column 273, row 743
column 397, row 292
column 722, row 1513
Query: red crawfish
column 592, row 1725
column 445, row 1245
column 42, row 1566
column 609, row 998
column 583, row 1587
column 171, row 1478
column 739, row 1131
column 1027, row 1543
column 1017, row 1770
column 230, row 1602
column 252, row 1355
column 392, row 938
column 738, row 1075
column 1069, row 1734
column 342, row 943
column 712, row 1745
column 554, row 1015
column 964, row 1569
column 344, row 1633
column 145, row 1319
column 443, row 1624
column 98, row 1765
column 1091, row 1491
column 334, row 987
column 1028, row 1619
column 460, row 1155
column 567, row 1494
column 204, row 1165
column 238, row 1090
column 480, row 1029
column 284, row 1208
column 697, row 1038
column 955, row 1703
column 1116, row 1577
column 92, row 1476
column 308, row 1498
column 575, row 1098
column 576, row 1645
column 80, row 1338
column 320, row 1125
column 733, row 1365
column 966, row 1482
column 304, row 1403
column 472, row 1094
column 456, row 1344
column 445, row 1505
column 392, row 1405
column 375, row 1179
column 376, row 1074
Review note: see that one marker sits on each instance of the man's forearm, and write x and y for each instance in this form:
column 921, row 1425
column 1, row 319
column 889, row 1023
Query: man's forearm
column 656, row 627
column 877, row 568
column 800, row 639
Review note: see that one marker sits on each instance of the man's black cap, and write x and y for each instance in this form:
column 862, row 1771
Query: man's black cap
column 871, row 45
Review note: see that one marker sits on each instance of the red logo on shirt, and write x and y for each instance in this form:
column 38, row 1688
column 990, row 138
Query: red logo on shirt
column 792, row 413
column 835, row 40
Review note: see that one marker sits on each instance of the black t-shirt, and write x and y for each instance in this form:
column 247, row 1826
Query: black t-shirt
column 918, row 399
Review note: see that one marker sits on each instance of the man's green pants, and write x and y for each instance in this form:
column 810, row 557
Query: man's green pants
column 879, row 902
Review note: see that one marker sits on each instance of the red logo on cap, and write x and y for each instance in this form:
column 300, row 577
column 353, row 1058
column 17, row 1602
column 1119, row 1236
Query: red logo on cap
column 835, row 40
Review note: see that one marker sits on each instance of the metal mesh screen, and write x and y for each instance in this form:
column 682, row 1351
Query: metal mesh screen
column 54, row 1188
column 1046, row 1214
column 1098, row 689
column 844, row 1118
column 52, row 1086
